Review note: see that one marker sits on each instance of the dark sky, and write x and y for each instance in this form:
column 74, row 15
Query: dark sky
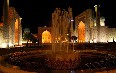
column 37, row 13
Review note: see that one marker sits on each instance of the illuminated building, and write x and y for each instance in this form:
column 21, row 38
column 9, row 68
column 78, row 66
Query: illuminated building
column 88, row 28
column 10, row 29
column 94, row 27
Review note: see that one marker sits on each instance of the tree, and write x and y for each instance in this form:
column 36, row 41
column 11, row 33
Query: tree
column 33, row 39
column 74, row 38
column 27, row 37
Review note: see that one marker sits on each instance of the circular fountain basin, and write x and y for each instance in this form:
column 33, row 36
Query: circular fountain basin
column 63, row 60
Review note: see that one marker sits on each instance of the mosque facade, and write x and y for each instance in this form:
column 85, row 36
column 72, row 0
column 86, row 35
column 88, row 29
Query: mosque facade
column 89, row 26
column 10, row 27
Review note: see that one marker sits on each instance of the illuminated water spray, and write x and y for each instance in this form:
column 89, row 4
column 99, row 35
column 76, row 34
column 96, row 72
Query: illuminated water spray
column 62, row 27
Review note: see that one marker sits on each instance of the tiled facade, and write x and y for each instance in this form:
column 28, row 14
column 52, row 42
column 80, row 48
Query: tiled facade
column 106, row 34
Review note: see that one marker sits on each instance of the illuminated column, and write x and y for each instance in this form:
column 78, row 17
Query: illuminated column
column 6, row 22
column 19, row 31
column 97, row 21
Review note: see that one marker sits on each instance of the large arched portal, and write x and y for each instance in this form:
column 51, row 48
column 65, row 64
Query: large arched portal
column 81, row 32
column 16, row 32
column 46, row 37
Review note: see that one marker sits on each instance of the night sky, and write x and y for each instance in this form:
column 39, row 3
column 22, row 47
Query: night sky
column 36, row 13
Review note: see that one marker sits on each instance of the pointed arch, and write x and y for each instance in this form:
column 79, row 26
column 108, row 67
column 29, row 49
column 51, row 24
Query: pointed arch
column 16, row 31
column 81, row 32
column 46, row 37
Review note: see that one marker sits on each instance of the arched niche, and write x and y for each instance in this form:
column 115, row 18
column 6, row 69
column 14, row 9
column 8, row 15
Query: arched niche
column 46, row 37
column 81, row 32
column 16, row 31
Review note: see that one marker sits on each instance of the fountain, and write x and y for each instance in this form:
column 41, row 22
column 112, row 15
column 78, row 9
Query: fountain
column 62, row 27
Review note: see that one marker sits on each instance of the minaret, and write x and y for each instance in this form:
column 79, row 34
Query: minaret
column 97, row 21
column 6, row 22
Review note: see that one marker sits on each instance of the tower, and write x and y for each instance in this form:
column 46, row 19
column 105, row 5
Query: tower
column 6, row 22
column 97, row 21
